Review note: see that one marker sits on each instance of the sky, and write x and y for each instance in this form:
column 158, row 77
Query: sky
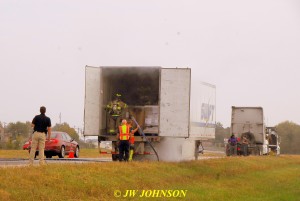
column 249, row 49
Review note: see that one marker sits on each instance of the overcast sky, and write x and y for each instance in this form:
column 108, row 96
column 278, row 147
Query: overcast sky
column 249, row 49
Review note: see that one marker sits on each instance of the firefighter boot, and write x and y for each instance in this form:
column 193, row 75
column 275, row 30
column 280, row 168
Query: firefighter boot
column 130, row 154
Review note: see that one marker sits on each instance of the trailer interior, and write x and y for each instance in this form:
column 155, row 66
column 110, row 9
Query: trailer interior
column 139, row 87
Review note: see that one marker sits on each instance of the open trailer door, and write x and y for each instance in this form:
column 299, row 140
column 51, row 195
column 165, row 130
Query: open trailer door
column 175, row 84
column 203, row 110
column 92, row 101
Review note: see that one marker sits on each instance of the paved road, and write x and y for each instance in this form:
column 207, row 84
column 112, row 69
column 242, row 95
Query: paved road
column 15, row 162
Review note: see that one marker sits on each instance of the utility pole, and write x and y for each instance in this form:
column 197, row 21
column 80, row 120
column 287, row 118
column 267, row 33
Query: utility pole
column 60, row 118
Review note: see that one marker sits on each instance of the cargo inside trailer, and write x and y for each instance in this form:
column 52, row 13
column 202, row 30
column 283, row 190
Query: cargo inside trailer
column 139, row 87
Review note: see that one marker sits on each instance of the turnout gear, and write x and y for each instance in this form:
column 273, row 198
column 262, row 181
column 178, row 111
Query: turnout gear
column 130, row 154
column 115, row 110
column 115, row 107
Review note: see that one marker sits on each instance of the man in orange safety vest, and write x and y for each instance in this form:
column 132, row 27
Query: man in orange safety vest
column 123, row 137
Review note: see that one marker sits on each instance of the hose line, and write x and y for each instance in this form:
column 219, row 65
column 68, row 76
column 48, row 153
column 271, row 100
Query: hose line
column 145, row 136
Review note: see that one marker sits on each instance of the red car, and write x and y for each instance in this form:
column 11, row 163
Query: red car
column 59, row 145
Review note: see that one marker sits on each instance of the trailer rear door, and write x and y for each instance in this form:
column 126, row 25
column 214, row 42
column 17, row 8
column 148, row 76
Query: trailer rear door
column 174, row 102
column 93, row 101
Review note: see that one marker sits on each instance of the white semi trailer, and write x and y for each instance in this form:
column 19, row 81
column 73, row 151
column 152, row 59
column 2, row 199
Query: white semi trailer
column 174, row 112
column 249, row 122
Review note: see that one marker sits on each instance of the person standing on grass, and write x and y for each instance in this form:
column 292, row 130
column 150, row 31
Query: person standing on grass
column 123, row 137
column 131, row 139
column 41, row 126
column 232, row 141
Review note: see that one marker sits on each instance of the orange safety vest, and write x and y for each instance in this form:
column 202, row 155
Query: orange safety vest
column 131, row 140
column 124, row 132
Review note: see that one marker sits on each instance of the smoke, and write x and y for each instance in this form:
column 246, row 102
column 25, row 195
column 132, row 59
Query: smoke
column 175, row 149
column 138, row 85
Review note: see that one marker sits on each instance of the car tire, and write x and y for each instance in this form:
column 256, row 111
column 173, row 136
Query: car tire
column 62, row 152
column 48, row 156
column 76, row 153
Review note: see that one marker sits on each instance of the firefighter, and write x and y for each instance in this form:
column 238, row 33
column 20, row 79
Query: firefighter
column 131, row 139
column 115, row 111
column 123, row 137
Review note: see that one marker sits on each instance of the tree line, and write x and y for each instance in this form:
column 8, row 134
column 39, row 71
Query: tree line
column 14, row 135
column 289, row 136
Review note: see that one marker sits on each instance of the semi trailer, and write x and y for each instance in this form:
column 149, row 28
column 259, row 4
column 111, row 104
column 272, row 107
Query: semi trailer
column 175, row 113
column 248, row 122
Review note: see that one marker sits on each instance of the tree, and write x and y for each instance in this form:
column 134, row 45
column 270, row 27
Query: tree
column 64, row 127
column 221, row 133
column 289, row 134
column 18, row 133
column 19, row 129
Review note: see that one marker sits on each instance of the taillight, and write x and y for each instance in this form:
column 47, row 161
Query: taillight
column 53, row 141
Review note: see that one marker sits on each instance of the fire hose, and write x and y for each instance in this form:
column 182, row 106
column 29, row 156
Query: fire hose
column 144, row 136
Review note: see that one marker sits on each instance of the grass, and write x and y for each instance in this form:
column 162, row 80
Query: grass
column 232, row 178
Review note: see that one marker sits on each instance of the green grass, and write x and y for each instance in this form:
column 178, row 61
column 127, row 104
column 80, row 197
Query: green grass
column 233, row 178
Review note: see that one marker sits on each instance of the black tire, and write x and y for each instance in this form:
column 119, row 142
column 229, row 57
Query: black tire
column 48, row 155
column 76, row 153
column 115, row 157
column 62, row 152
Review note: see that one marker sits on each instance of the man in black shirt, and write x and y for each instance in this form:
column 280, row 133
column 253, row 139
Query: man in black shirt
column 41, row 125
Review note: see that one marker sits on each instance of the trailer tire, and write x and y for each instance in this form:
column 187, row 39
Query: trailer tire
column 115, row 157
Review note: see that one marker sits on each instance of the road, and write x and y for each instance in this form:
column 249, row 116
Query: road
column 19, row 162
